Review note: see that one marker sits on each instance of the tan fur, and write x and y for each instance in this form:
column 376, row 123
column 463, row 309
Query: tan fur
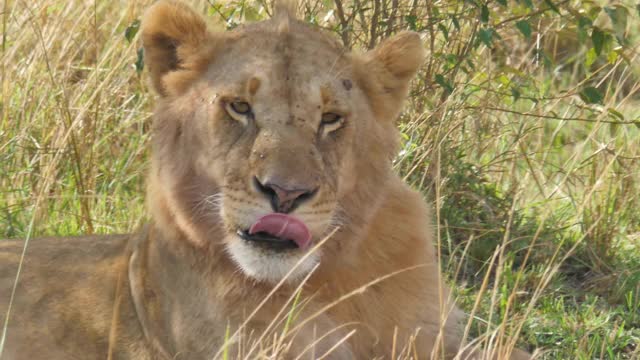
column 174, row 289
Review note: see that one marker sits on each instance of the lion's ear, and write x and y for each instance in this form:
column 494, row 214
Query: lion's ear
column 172, row 35
column 384, row 72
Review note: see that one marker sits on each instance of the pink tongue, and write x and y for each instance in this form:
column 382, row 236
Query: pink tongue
column 283, row 226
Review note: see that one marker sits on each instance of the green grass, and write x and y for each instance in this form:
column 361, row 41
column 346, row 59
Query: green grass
column 530, row 159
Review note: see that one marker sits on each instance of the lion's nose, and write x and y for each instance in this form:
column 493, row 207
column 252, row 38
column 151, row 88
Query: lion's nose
column 284, row 199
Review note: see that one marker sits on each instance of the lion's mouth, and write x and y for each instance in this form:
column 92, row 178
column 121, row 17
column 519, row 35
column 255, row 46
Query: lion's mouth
column 267, row 240
column 278, row 231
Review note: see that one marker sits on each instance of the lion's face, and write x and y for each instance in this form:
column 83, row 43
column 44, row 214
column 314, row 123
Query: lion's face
column 265, row 134
column 278, row 139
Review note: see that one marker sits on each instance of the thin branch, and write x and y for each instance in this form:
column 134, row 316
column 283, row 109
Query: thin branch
column 392, row 17
column 344, row 24
column 485, row 107
column 373, row 32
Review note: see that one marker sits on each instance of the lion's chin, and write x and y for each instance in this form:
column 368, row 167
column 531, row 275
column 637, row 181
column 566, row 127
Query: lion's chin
column 271, row 266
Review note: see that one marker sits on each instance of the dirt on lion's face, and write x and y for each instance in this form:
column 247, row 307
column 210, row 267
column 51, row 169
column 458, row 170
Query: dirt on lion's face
column 278, row 125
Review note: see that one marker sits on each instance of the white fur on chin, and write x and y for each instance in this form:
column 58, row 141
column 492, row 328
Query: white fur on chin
column 270, row 266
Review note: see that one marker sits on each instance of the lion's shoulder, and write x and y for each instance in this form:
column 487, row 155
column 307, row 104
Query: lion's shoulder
column 53, row 267
column 51, row 254
column 66, row 290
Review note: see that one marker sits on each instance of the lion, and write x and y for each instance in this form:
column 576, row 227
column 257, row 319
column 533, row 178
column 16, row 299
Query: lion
column 271, row 195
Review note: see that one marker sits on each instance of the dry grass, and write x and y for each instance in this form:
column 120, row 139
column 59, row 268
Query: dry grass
column 537, row 192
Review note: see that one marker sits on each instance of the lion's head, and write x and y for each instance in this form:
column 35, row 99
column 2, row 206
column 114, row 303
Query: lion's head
column 269, row 136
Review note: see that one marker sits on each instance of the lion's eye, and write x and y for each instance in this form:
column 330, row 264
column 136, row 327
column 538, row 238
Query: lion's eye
column 240, row 107
column 331, row 118
column 239, row 111
column 330, row 122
